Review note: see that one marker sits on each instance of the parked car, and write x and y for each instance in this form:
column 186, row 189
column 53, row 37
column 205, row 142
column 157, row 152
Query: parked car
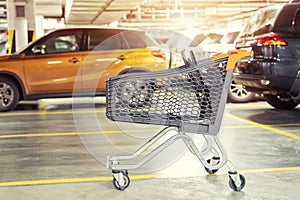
column 273, row 34
column 50, row 66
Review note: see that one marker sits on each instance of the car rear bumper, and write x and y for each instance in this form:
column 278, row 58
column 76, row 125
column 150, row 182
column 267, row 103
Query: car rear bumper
column 263, row 77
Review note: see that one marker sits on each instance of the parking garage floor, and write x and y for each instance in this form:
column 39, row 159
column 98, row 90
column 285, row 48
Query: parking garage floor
column 60, row 153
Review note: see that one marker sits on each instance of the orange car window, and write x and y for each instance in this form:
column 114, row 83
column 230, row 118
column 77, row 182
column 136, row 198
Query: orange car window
column 68, row 42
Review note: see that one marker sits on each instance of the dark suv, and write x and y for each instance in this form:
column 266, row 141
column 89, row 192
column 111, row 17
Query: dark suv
column 273, row 34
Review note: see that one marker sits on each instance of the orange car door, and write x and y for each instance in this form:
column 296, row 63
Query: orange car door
column 109, row 54
column 55, row 73
column 95, row 65
column 54, row 67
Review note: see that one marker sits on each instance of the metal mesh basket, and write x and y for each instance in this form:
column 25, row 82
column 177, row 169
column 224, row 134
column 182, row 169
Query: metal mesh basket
column 189, row 95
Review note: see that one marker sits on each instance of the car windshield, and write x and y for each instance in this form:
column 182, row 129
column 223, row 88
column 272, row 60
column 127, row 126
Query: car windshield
column 260, row 22
column 23, row 48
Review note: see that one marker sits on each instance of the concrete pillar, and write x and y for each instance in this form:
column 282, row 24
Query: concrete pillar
column 39, row 28
column 21, row 23
column 21, row 32
column 30, row 15
column 11, row 17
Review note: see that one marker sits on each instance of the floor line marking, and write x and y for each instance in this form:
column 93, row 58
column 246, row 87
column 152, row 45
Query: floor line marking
column 74, row 133
column 50, row 113
column 276, row 125
column 237, row 126
column 134, row 177
column 267, row 127
column 281, row 169
column 69, row 180
column 19, row 135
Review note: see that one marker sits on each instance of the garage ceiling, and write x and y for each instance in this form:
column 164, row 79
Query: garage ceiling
column 160, row 13
column 164, row 13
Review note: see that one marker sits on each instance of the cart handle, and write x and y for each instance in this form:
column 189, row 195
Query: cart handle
column 233, row 57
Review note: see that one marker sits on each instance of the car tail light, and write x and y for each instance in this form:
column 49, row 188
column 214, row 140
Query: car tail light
column 159, row 54
column 270, row 39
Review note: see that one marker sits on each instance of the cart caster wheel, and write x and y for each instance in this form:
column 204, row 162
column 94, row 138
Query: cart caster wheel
column 121, row 180
column 212, row 171
column 234, row 186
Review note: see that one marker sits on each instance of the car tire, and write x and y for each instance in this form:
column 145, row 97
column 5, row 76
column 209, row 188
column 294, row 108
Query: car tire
column 9, row 95
column 281, row 102
column 238, row 94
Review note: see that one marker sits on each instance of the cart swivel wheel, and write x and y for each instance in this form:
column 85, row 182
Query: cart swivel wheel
column 122, row 182
column 212, row 171
column 234, row 186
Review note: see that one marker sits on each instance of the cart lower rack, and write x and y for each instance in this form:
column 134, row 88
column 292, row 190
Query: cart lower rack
column 188, row 99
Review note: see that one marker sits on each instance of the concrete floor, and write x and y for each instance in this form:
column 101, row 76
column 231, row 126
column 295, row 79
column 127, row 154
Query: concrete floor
column 61, row 154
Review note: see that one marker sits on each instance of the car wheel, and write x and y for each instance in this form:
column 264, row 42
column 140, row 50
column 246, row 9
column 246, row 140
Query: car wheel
column 281, row 101
column 9, row 95
column 238, row 94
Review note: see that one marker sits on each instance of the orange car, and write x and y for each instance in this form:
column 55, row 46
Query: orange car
column 75, row 60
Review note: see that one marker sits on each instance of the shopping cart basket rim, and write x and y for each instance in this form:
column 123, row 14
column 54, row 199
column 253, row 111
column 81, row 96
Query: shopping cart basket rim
column 233, row 57
column 173, row 71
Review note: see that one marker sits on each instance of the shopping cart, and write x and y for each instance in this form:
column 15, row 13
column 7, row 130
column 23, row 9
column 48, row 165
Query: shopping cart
column 189, row 99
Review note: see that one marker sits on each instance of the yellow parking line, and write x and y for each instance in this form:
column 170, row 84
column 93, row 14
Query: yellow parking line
column 49, row 113
column 284, row 125
column 263, row 170
column 70, row 180
column 74, row 133
column 52, row 134
column 232, row 127
column 270, row 170
column 98, row 179
column 19, row 135
column 267, row 127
